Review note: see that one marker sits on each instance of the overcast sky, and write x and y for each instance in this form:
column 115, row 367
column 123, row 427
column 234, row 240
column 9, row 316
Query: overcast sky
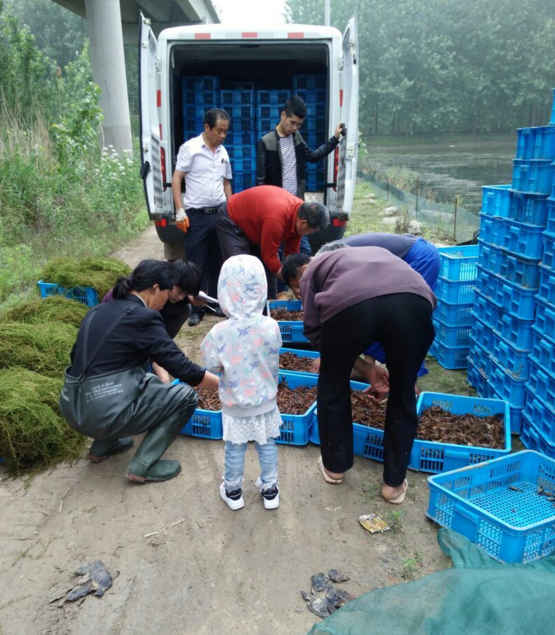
column 250, row 11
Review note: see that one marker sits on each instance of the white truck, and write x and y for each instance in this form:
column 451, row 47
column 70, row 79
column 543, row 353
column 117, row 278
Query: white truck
column 272, row 54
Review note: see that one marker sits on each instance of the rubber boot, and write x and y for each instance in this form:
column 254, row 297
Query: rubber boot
column 101, row 450
column 146, row 462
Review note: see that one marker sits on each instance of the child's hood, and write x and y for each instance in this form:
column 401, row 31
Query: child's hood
column 242, row 287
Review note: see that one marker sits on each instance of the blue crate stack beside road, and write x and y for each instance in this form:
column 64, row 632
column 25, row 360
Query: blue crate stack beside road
column 455, row 294
column 515, row 291
column 240, row 143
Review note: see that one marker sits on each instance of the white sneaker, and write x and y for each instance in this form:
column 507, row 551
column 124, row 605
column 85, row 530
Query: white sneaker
column 234, row 500
column 270, row 497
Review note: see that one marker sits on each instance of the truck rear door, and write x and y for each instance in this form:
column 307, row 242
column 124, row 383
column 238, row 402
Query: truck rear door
column 152, row 153
column 348, row 150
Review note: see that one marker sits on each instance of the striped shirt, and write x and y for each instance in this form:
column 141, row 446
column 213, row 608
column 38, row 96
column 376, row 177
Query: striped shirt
column 288, row 164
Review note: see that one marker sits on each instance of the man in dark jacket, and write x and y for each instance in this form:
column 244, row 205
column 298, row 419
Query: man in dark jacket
column 282, row 153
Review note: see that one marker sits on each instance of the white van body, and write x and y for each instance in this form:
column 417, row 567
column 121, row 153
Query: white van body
column 265, row 51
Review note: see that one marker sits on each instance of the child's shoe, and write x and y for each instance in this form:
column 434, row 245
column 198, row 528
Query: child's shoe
column 234, row 500
column 270, row 497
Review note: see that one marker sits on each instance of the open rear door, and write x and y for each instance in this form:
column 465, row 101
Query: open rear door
column 149, row 90
column 348, row 150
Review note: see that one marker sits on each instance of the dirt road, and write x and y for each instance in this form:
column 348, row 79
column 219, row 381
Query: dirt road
column 185, row 563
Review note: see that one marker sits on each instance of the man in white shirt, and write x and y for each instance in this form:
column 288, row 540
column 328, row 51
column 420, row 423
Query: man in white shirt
column 204, row 164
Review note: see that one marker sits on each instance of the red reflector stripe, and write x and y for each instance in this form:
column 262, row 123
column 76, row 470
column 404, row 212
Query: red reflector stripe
column 341, row 97
column 336, row 222
column 160, row 127
column 158, row 98
column 249, row 34
column 161, row 223
column 295, row 35
column 202, row 36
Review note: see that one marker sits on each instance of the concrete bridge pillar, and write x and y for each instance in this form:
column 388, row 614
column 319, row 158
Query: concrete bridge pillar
column 108, row 66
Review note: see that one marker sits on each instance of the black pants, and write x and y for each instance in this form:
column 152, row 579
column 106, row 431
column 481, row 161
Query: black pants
column 202, row 248
column 402, row 323
column 233, row 242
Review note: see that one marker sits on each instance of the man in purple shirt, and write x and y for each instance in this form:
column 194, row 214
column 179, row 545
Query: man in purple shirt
column 352, row 297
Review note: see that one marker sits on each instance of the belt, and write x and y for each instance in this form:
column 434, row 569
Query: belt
column 203, row 210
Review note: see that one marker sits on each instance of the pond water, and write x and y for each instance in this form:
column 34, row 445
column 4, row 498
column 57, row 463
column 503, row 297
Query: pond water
column 449, row 170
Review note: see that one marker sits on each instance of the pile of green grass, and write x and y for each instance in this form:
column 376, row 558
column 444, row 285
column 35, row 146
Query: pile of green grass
column 99, row 273
column 43, row 348
column 56, row 308
column 32, row 431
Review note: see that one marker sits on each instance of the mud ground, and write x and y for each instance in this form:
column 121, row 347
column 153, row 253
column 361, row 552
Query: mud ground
column 184, row 562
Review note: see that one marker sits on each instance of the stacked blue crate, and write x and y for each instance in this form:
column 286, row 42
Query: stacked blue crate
column 198, row 94
column 455, row 294
column 538, row 417
column 311, row 89
column 503, row 360
column 240, row 142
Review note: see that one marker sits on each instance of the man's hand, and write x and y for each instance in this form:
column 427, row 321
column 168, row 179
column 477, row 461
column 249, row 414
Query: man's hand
column 182, row 220
column 315, row 365
column 378, row 377
column 162, row 373
column 340, row 130
column 209, row 381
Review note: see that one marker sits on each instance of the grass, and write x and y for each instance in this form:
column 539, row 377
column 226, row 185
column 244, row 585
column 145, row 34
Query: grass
column 88, row 206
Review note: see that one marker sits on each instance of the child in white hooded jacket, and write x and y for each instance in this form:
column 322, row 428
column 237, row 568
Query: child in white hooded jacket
column 244, row 352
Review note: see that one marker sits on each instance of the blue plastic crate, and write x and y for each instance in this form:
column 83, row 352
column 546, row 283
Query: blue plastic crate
column 240, row 112
column 314, row 125
column 268, row 112
column 455, row 314
column 541, row 382
column 546, row 291
column 432, row 456
column 550, row 214
column 506, row 385
column 528, row 207
column 300, row 353
column 483, row 334
column 517, row 300
column 240, row 138
column 548, row 258
column 236, row 97
column 455, row 291
column 243, row 180
column 496, row 505
column 541, row 415
column 291, row 331
column 517, row 331
column 85, row 295
column 536, row 143
column 543, row 350
column 492, row 229
column 314, row 96
column 523, row 240
column 545, row 318
column 241, row 151
column 243, row 126
column 532, row 175
column 533, row 439
column 452, row 335
column 458, row 263
column 205, row 82
column 243, row 165
column 295, row 429
column 303, row 81
column 496, row 200
column 204, row 424
column 276, row 97
column 521, row 271
column 450, row 357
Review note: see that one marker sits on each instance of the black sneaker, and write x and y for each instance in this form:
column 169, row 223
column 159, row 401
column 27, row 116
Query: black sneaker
column 234, row 500
column 195, row 318
column 270, row 498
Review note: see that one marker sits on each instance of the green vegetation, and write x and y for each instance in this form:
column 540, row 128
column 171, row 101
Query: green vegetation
column 444, row 65
column 98, row 273
column 32, row 433
column 61, row 194
column 56, row 308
